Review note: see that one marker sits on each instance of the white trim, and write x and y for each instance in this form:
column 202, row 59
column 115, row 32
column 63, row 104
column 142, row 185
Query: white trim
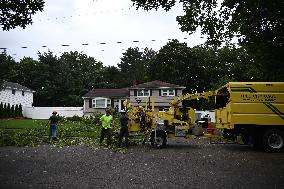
column 143, row 91
column 167, row 91
column 94, row 104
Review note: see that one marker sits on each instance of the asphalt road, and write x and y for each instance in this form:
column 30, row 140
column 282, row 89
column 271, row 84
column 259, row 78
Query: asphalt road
column 183, row 164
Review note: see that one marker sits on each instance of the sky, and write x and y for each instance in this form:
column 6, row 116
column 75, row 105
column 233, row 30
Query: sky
column 94, row 27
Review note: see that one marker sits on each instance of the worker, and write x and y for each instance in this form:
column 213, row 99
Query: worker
column 106, row 123
column 53, row 125
column 123, row 119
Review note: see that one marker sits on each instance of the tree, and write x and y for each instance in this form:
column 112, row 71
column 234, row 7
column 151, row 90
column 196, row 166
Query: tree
column 133, row 65
column 16, row 110
column 8, row 110
column 46, row 79
column 18, row 12
column 12, row 111
column 24, row 72
column 20, row 111
column 7, row 64
column 177, row 63
column 257, row 24
column 5, row 115
column 112, row 77
column 1, row 110
column 80, row 73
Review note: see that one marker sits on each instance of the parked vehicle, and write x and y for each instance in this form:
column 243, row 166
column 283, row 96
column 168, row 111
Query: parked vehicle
column 253, row 110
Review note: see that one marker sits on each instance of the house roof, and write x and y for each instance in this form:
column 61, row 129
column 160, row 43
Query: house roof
column 107, row 93
column 156, row 84
column 10, row 85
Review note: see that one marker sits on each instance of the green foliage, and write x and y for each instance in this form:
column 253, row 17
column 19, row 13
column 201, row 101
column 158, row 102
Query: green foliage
column 20, row 114
column 71, row 131
column 16, row 110
column 1, row 110
column 8, row 110
column 12, row 111
column 5, row 111
column 21, row 123
column 258, row 25
column 133, row 66
column 201, row 68
column 7, row 64
column 18, row 13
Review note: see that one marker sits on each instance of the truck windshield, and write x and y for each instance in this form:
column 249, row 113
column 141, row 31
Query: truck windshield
column 222, row 98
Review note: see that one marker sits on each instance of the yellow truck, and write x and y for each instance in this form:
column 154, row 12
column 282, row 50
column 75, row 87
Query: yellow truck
column 253, row 110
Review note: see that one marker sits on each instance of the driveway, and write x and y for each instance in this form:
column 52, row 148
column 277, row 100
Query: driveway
column 190, row 163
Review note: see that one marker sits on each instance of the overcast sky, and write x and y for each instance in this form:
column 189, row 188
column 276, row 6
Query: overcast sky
column 92, row 22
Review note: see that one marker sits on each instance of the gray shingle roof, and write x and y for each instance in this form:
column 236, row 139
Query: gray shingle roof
column 156, row 84
column 10, row 85
column 107, row 93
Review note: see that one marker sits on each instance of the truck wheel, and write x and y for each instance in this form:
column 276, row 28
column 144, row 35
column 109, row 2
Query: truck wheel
column 273, row 140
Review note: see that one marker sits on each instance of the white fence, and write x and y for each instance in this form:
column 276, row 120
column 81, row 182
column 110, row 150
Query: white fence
column 45, row 112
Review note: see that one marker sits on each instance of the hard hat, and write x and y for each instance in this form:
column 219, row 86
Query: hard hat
column 122, row 111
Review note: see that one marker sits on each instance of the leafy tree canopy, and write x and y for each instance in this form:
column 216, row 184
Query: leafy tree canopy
column 15, row 13
column 224, row 19
column 258, row 24
column 133, row 65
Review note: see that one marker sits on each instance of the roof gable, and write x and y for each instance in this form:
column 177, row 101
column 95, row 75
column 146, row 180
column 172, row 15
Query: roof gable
column 107, row 93
column 156, row 84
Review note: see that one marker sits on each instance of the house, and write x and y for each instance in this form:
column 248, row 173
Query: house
column 14, row 93
column 97, row 100
column 162, row 93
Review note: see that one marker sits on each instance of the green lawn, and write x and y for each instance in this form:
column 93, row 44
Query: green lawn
column 28, row 132
column 21, row 123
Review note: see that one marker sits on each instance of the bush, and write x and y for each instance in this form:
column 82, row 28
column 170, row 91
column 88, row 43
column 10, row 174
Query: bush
column 74, row 118
column 93, row 119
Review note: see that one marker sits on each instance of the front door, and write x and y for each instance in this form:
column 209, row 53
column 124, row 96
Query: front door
column 121, row 107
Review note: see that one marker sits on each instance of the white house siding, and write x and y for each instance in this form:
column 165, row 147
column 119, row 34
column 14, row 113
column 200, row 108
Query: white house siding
column 6, row 96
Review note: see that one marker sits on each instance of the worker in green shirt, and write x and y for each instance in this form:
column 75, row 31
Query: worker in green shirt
column 106, row 123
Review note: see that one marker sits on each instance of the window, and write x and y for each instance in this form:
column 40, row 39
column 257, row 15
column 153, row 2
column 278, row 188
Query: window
column 23, row 93
column 101, row 103
column 13, row 91
column 168, row 92
column 143, row 92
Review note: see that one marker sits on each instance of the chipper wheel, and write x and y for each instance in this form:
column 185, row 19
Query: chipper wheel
column 161, row 139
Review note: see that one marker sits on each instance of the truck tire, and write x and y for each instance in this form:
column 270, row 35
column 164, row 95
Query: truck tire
column 273, row 140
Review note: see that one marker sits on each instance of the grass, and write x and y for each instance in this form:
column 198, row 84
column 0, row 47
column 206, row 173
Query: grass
column 27, row 132
column 21, row 123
